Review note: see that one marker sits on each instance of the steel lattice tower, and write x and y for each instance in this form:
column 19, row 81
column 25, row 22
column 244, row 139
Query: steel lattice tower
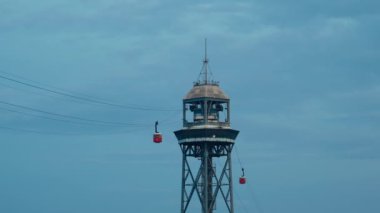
column 206, row 135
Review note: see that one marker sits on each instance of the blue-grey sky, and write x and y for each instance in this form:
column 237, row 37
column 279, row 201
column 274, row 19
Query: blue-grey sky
column 303, row 77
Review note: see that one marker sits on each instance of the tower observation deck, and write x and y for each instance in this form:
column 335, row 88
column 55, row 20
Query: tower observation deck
column 206, row 135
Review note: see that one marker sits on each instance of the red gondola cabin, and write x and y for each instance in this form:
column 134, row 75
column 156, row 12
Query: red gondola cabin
column 242, row 180
column 157, row 137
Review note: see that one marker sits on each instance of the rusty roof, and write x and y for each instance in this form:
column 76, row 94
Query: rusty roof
column 206, row 91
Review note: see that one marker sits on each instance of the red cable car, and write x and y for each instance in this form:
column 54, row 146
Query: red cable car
column 242, row 179
column 157, row 137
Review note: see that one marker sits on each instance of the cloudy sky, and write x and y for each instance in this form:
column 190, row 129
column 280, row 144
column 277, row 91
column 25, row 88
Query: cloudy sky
column 303, row 77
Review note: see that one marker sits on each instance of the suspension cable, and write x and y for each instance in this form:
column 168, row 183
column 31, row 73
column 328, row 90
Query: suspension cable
column 70, row 116
column 250, row 189
column 86, row 99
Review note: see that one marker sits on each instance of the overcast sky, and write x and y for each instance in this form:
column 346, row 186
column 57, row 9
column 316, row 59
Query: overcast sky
column 303, row 77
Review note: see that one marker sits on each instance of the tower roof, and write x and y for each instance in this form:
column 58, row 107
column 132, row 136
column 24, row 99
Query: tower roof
column 205, row 87
column 206, row 91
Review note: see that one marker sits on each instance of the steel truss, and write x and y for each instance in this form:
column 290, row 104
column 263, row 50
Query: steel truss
column 205, row 182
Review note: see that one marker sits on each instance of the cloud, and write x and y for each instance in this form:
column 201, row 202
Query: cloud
column 303, row 78
column 337, row 26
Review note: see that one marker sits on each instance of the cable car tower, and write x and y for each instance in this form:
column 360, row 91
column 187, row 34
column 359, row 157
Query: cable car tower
column 206, row 135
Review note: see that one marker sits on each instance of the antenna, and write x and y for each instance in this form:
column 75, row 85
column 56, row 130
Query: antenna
column 205, row 62
column 205, row 76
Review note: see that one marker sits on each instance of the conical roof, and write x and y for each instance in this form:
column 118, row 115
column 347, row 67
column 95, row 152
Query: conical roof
column 206, row 91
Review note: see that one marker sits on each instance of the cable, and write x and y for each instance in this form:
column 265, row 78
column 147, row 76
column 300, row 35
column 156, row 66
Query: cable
column 36, row 131
column 256, row 202
column 38, row 116
column 71, row 117
column 46, row 85
column 235, row 192
column 67, row 133
column 241, row 201
column 66, row 93
column 238, row 157
column 28, row 91
column 49, row 118
column 90, row 100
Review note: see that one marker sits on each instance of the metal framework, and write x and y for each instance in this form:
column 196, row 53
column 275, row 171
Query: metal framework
column 206, row 134
column 205, row 182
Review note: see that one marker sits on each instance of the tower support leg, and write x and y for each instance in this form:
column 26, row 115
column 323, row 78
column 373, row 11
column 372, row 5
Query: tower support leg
column 206, row 182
